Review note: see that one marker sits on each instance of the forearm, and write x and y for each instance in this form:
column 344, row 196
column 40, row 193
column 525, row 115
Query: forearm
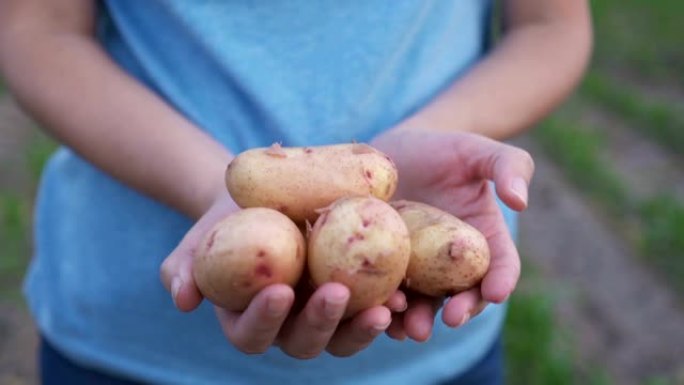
column 71, row 87
column 532, row 69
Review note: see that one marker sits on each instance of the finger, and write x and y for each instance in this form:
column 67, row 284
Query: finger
column 504, row 267
column 419, row 318
column 510, row 168
column 176, row 270
column 307, row 335
column 360, row 331
column 396, row 328
column 397, row 302
column 255, row 330
column 512, row 174
column 176, row 275
column 461, row 307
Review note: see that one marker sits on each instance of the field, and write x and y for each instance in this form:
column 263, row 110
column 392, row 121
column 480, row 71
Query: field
column 601, row 299
column 603, row 238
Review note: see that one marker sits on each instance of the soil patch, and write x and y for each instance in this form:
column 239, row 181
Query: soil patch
column 621, row 316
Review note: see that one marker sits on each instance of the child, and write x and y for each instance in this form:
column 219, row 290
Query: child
column 151, row 99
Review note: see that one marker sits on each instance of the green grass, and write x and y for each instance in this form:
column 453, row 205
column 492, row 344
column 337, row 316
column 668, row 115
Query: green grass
column 662, row 241
column 662, row 380
column 643, row 37
column 538, row 352
column 38, row 153
column 15, row 220
column 662, row 123
column 659, row 222
column 530, row 343
column 655, row 225
column 578, row 152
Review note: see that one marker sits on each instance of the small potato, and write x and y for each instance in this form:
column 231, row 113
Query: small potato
column 245, row 252
column 447, row 255
column 299, row 180
column 362, row 243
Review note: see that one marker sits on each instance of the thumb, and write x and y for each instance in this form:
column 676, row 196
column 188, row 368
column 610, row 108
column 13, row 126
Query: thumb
column 511, row 168
column 512, row 174
column 176, row 272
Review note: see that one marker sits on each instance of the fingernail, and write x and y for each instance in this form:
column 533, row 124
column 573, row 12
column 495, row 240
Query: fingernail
column 519, row 188
column 424, row 329
column 276, row 306
column 466, row 318
column 176, row 284
column 377, row 329
column 334, row 306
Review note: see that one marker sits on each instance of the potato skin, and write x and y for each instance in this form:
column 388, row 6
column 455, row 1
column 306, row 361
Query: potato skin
column 299, row 180
column 362, row 243
column 447, row 255
column 245, row 252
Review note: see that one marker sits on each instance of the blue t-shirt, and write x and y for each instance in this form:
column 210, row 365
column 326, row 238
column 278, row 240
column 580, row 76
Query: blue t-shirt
column 248, row 73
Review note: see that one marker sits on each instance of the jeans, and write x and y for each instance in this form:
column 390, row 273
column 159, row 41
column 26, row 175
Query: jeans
column 488, row 371
column 56, row 369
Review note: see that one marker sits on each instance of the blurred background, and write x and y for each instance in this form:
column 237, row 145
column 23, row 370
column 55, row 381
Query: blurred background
column 600, row 301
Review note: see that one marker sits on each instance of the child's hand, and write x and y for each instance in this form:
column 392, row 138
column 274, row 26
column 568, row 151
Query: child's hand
column 302, row 330
column 452, row 171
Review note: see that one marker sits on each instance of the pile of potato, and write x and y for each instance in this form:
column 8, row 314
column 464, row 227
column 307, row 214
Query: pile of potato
column 358, row 238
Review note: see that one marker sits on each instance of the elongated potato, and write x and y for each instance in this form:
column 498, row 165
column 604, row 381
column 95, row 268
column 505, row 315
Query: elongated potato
column 362, row 243
column 245, row 252
column 298, row 180
column 447, row 255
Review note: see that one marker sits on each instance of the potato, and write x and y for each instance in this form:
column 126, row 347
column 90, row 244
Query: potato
column 447, row 255
column 362, row 243
column 298, row 180
column 245, row 252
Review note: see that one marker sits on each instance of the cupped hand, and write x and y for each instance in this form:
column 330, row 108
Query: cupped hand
column 302, row 322
column 453, row 171
column 307, row 330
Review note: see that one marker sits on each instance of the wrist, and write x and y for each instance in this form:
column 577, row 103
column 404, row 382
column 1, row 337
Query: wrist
column 209, row 186
column 438, row 116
